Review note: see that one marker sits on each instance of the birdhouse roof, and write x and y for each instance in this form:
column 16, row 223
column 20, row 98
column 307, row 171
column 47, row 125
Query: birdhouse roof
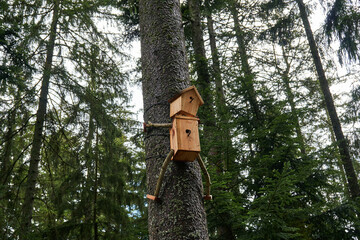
column 192, row 88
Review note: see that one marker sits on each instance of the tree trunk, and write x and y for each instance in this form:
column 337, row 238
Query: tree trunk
column 38, row 130
column 90, row 216
column 291, row 99
column 204, row 82
column 341, row 141
column 248, row 79
column 95, row 224
column 180, row 212
column 338, row 156
column 7, row 148
column 206, row 112
column 220, row 101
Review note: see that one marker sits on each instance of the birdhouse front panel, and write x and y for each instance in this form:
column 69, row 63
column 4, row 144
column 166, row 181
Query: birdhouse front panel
column 184, row 138
column 187, row 102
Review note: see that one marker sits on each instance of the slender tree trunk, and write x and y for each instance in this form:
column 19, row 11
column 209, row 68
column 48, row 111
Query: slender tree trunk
column 95, row 224
column 291, row 99
column 86, row 226
column 220, row 101
column 204, row 82
column 89, row 216
column 248, row 79
column 180, row 212
column 340, row 138
column 338, row 156
column 206, row 112
column 7, row 148
column 38, row 130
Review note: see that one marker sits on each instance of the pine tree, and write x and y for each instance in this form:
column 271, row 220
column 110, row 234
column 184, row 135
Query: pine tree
column 342, row 22
column 342, row 142
column 38, row 132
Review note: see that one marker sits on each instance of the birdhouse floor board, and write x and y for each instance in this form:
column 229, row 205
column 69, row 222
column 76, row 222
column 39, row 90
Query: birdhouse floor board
column 185, row 156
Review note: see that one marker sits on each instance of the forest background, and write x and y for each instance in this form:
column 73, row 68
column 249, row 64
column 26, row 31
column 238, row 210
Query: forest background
column 71, row 146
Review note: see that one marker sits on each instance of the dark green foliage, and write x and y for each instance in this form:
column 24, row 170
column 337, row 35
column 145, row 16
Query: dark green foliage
column 90, row 184
column 275, row 167
column 343, row 22
column 130, row 18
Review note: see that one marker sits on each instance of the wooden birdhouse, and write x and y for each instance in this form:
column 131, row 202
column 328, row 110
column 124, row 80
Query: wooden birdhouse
column 186, row 102
column 184, row 138
column 184, row 135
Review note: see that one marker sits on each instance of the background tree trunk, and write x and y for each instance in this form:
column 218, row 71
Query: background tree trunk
column 341, row 141
column 180, row 212
column 38, row 131
column 248, row 79
column 211, row 128
column 285, row 77
column 220, row 101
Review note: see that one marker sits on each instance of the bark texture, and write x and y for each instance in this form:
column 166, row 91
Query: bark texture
column 38, row 130
column 340, row 138
column 180, row 212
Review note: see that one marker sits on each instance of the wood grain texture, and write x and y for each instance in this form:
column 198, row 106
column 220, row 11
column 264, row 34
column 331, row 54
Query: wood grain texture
column 184, row 138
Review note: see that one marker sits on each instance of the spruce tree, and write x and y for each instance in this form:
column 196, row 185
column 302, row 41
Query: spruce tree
column 180, row 213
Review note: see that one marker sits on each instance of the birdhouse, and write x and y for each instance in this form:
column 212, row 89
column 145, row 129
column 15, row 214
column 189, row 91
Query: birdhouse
column 184, row 135
column 184, row 138
column 186, row 102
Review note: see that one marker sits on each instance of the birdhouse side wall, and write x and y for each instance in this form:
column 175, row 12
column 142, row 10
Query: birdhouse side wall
column 174, row 138
column 175, row 107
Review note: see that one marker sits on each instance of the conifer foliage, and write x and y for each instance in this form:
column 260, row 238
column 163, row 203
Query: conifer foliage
column 279, row 128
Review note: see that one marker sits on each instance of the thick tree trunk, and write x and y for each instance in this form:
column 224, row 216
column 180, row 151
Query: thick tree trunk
column 180, row 212
column 338, row 156
column 341, row 141
column 38, row 130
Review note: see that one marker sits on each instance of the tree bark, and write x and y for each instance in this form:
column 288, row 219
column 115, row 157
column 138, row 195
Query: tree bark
column 340, row 138
column 33, row 171
column 180, row 212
